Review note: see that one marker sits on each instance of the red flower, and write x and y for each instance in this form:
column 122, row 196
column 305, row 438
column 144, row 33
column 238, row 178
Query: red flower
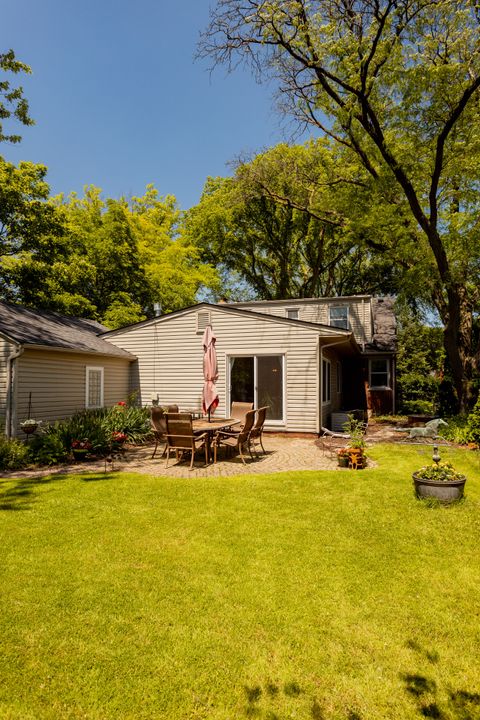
column 118, row 437
column 122, row 403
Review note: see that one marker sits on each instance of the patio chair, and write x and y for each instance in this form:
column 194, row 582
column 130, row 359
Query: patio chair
column 257, row 430
column 181, row 438
column 158, row 425
column 238, row 411
column 235, row 440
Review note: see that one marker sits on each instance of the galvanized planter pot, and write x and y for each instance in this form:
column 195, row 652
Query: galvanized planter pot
column 445, row 492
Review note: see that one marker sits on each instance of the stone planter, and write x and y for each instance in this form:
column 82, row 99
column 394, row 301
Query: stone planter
column 444, row 492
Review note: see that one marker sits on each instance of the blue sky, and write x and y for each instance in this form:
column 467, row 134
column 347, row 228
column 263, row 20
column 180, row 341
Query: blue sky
column 119, row 101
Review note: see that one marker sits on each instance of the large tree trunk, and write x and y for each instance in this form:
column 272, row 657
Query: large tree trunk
column 458, row 345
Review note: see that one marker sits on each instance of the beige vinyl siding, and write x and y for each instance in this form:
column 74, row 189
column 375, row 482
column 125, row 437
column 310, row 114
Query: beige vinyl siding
column 359, row 313
column 170, row 360
column 57, row 382
column 336, row 398
column 6, row 349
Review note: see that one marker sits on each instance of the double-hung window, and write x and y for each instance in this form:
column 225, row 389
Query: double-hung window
column 338, row 316
column 94, row 387
column 379, row 372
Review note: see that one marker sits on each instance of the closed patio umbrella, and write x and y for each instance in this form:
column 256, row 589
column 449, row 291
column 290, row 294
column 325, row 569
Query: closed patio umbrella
column 210, row 372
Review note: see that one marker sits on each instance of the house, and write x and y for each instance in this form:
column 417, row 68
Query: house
column 52, row 366
column 310, row 360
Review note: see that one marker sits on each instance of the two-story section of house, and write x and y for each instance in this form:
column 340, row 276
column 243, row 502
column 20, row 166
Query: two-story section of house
column 309, row 360
column 366, row 381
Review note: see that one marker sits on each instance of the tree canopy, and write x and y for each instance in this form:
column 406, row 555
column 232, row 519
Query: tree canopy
column 394, row 82
column 287, row 224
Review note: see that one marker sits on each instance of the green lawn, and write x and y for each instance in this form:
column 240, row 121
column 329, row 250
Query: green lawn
column 304, row 595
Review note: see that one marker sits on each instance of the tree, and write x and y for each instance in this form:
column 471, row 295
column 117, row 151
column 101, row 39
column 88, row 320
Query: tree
column 13, row 105
column 396, row 82
column 285, row 223
column 111, row 261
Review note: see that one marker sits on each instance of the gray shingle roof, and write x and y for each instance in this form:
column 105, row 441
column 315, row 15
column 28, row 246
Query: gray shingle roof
column 38, row 327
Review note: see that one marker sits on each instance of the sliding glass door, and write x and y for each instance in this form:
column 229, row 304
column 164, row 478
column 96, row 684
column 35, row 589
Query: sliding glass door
column 259, row 379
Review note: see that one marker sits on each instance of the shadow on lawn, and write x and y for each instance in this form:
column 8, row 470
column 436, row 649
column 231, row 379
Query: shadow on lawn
column 268, row 695
column 431, row 701
column 20, row 494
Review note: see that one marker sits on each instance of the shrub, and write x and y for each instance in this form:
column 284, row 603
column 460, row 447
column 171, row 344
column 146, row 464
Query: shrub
column 417, row 407
column 14, row 454
column 473, row 423
column 442, row 472
column 457, row 430
column 133, row 421
column 48, row 449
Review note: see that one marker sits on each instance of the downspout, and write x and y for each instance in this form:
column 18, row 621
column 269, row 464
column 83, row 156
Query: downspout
column 322, row 348
column 11, row 377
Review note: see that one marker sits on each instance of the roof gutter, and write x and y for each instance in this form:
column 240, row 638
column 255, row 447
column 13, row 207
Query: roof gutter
column 322, row 348
column 10, row 413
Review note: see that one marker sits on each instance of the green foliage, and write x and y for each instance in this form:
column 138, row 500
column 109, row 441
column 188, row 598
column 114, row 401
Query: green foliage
column 128, row 419
column 14, row 454
column 440, row 472
column 47, row 448
column 356, row 429
column 457, row 430
column 473, row 423
column 109, row 260
column 420, row 363
column 95, row 430
column 13, row 104
column 289, row 226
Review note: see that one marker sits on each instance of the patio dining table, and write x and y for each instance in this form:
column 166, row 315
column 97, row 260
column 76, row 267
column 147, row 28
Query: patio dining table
column 202, row 425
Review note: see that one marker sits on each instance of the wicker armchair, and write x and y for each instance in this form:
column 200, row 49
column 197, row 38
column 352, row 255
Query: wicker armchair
column 182, row 439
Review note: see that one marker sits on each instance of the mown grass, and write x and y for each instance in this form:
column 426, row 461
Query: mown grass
column 324, row 595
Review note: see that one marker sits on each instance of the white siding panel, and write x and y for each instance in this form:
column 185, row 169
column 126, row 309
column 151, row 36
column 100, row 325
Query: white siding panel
column 56, row 381
column 170, row 360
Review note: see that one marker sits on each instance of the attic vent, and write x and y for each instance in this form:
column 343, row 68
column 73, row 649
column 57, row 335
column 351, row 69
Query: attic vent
column 203, row 319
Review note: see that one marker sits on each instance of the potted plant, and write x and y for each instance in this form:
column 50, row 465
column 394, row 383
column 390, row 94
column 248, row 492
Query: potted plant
column 356, row 446
column 342, row 457
column 439, row 480
column 30, row 425
column 81, row 448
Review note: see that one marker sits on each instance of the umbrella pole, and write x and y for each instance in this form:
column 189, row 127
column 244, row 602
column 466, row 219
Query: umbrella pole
column 208, row 414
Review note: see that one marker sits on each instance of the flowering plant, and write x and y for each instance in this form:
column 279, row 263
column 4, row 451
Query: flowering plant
column 440, row 472
column 342, row 452
column 122, row 403
column 81, row 444
column 118, row 436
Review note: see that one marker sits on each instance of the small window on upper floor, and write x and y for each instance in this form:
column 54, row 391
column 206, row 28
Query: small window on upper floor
column 292, row 313
column 338, row 316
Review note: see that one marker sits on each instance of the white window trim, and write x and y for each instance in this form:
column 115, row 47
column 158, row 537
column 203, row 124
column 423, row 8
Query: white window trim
column 327, row 400
column 279, row 423
column 335, row 307
column 87, row 386
column 388, row 386
column 290, row 309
